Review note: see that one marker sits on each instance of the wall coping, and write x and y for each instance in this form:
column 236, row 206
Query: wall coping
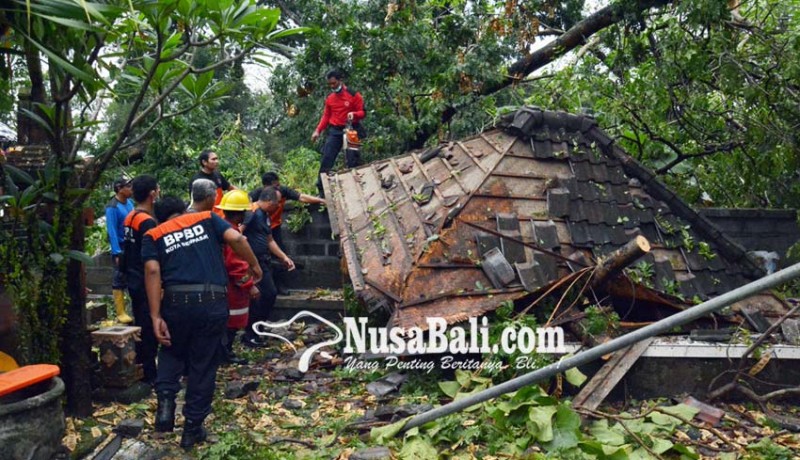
column 749, row 212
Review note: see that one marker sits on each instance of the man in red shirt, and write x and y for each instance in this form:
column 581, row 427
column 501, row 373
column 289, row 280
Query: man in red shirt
column 343, row 105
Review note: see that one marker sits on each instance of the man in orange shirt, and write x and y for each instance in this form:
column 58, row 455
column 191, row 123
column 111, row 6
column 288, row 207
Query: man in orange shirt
column 271, row 179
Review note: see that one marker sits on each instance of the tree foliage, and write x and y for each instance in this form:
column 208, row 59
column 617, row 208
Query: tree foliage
column 705, row 95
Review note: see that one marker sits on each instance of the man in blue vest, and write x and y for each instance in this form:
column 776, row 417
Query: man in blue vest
column 116, row 211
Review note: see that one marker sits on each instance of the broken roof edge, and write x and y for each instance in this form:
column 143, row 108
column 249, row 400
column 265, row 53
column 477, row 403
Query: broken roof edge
column 529, row 118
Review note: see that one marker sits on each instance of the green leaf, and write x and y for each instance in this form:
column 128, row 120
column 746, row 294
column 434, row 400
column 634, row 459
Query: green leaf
column 450, row 388
column 661, row 445
column 37, row 119
column 418, row 448
column 685, row 451
column 384, row 433
column 463, row 377
column 667, row 421
column 61, row 62
column 80, row 257
column 601, row 431
column 19, row 176
column 575, row 377
column 72, row 23
column 566, row 429
column 681, row 410
column 603, row 451
column 541, row 417
column 641, row 454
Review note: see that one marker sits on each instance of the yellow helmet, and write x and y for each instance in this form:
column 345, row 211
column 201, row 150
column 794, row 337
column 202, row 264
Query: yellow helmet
column 235, row 200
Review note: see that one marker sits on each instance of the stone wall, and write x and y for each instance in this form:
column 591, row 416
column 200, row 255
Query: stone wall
column 757, row 229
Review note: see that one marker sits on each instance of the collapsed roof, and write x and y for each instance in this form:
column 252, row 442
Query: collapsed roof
column 456, row 230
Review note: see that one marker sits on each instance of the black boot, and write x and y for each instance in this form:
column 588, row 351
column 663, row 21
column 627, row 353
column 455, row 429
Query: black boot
column 233, row 359
column 193, row 433
column 229, row 356
column 165, row 414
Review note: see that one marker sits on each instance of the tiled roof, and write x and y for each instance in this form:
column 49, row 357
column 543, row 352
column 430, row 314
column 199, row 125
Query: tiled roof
column 417, row 230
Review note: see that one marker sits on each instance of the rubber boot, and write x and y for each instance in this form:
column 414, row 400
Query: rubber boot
column 165, row 414
column 193, row 433
column 119, row 305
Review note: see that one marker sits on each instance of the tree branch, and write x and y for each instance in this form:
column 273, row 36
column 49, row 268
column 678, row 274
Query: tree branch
column 743, row 361
column 99, row 165
column 149, row 129
column 566, row 42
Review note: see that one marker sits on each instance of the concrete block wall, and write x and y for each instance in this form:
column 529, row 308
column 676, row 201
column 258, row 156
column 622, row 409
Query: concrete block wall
column 100, row 275
column 757, row 229
column 316, row 253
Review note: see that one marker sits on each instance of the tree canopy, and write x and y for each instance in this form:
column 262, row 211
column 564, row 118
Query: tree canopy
column 703, row 92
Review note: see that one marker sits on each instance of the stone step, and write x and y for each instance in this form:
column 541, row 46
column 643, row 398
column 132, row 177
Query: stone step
column 328, row 303
column 97, row 306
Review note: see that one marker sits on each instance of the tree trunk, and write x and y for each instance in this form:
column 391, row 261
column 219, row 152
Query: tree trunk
column 612, row 264
column 76, row 344
column 29, row 132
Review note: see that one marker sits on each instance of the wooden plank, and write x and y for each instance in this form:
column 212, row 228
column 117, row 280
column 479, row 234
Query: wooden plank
column 473, row 159
column 593, row 394
column 331, row 204
column 405, row 187
column 454, row 175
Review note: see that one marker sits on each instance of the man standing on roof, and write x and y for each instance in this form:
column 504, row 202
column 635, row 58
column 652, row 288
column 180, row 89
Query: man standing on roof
column 343, row 105
column 116, row 210
column 271, row 179
column 209, row 165
column 137, row 223
column 183, row 255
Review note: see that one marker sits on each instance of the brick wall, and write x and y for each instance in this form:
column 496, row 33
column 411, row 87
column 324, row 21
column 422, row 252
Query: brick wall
column 757, row 229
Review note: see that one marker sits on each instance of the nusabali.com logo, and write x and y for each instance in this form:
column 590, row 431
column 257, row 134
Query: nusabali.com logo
column 437, row 338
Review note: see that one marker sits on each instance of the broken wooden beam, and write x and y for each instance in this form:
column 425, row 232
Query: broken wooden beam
column 613, row 264
column 599, row 387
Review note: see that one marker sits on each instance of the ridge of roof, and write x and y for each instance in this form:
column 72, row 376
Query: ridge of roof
column 528, row 119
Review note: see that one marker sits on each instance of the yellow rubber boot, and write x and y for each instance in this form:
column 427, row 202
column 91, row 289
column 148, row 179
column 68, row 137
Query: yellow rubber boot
column 119, row 305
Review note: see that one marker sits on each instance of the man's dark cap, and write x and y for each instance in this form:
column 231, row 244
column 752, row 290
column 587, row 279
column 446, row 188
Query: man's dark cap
column 121, row 182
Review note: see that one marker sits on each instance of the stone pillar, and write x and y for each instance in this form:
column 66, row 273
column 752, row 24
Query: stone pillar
column 118, row 368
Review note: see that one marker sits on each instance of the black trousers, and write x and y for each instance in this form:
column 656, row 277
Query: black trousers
column 197, row 324
column 331, row 149
column 261, row 307
column 147, row 348
column 119, row 279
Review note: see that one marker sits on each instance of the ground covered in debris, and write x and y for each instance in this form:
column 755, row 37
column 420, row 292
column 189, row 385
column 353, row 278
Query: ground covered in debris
column 270, row 410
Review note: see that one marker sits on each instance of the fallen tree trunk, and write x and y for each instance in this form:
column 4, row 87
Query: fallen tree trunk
column 614, row 263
